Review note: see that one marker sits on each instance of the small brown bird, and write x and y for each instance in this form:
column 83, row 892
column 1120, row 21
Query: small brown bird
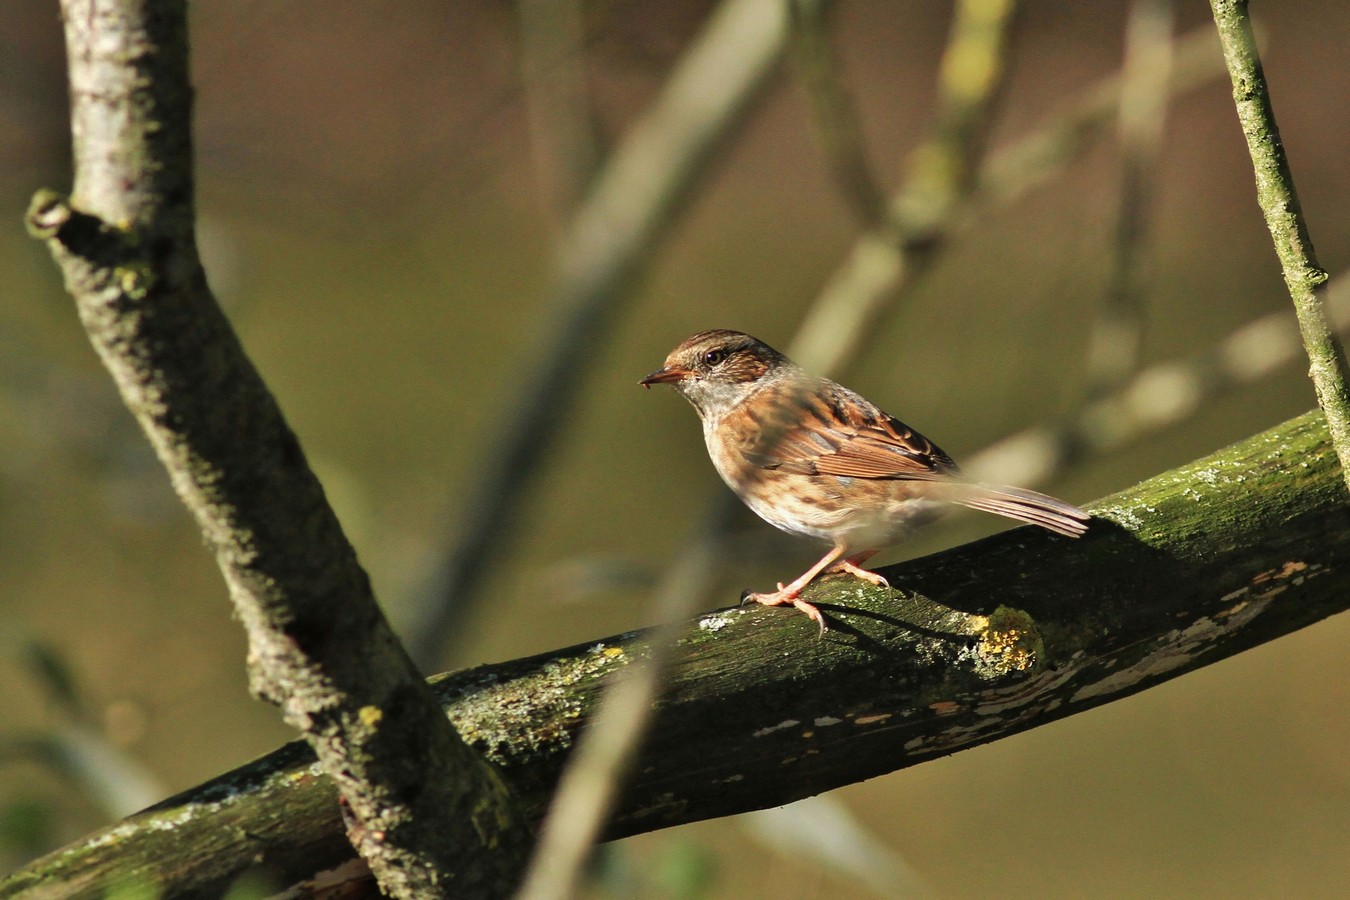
column 815, row 459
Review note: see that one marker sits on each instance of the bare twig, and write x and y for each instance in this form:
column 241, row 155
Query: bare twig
column 106, row 776
column 875, row 267
column 633, row 199
column 604, row 757
column 1117, row 334
column 77, row 747
column 428, row 813
column 823, row 829
column 1275, row 193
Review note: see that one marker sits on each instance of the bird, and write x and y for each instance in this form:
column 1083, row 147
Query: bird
column 815, row 459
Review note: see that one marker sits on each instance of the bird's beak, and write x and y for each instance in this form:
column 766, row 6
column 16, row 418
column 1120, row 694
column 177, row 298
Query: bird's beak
column 668, row 375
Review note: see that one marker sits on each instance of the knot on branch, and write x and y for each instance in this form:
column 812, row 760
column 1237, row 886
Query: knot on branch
column 50, row 217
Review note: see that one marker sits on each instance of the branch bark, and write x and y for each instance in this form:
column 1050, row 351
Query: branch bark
column 1278, row 199
column 983, row 641
column 319, row 646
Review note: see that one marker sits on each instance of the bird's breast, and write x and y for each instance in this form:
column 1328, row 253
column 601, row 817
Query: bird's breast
column 862, row 513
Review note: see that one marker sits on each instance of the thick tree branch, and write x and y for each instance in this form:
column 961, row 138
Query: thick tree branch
column 982, row 642
column 424, row 804
column 1275, row 193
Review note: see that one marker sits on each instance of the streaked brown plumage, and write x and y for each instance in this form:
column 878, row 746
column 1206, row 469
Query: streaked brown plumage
column 814, row 458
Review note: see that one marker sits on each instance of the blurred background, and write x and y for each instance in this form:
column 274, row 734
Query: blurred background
column 380, row 223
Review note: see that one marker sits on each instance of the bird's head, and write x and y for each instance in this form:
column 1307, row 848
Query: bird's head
column 716, row 370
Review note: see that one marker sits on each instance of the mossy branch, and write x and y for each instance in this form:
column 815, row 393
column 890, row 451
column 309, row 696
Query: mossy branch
column 983, row 641
column 1278, row 199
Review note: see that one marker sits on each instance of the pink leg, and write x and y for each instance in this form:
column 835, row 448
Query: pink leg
column 791, row 593
column 853, row 566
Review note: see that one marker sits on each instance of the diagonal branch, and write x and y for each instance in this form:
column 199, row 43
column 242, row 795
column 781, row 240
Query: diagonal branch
column 984, row 641
column 1275, row 193
column 319, row 647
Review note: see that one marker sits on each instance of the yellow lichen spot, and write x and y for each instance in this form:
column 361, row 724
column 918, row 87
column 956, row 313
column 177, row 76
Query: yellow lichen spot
column 613, row 652
column 1010, row 643
column 371, row 716
column 135, row 280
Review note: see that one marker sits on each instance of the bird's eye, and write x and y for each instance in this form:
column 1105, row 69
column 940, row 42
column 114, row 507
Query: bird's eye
column 713, row 357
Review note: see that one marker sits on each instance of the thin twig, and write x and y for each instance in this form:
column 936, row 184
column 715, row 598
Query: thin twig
column 1275, row 193
column 633, row 199
column 1117, row 334
column 77, row 748
column 875, row 267
column 823, row 830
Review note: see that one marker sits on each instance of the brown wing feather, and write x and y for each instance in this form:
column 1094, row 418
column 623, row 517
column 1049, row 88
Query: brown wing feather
column 842, row 434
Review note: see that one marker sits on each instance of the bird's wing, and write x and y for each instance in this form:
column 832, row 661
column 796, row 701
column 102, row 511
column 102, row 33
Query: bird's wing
column 840, row 433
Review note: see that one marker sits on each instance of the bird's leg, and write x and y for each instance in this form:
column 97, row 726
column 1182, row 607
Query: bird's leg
column 792, row 593
column 853, row 566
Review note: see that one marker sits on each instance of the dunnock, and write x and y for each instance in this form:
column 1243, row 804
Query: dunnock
column 813, row 458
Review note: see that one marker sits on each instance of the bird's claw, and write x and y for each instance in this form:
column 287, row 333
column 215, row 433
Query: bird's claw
column 846, row 567
column 783, row 596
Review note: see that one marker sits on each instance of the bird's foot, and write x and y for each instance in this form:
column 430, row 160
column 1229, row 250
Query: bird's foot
column 783, row 596
column 851, row 568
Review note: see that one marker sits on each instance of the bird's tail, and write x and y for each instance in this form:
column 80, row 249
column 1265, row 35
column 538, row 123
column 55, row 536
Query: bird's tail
column 1025, row 506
